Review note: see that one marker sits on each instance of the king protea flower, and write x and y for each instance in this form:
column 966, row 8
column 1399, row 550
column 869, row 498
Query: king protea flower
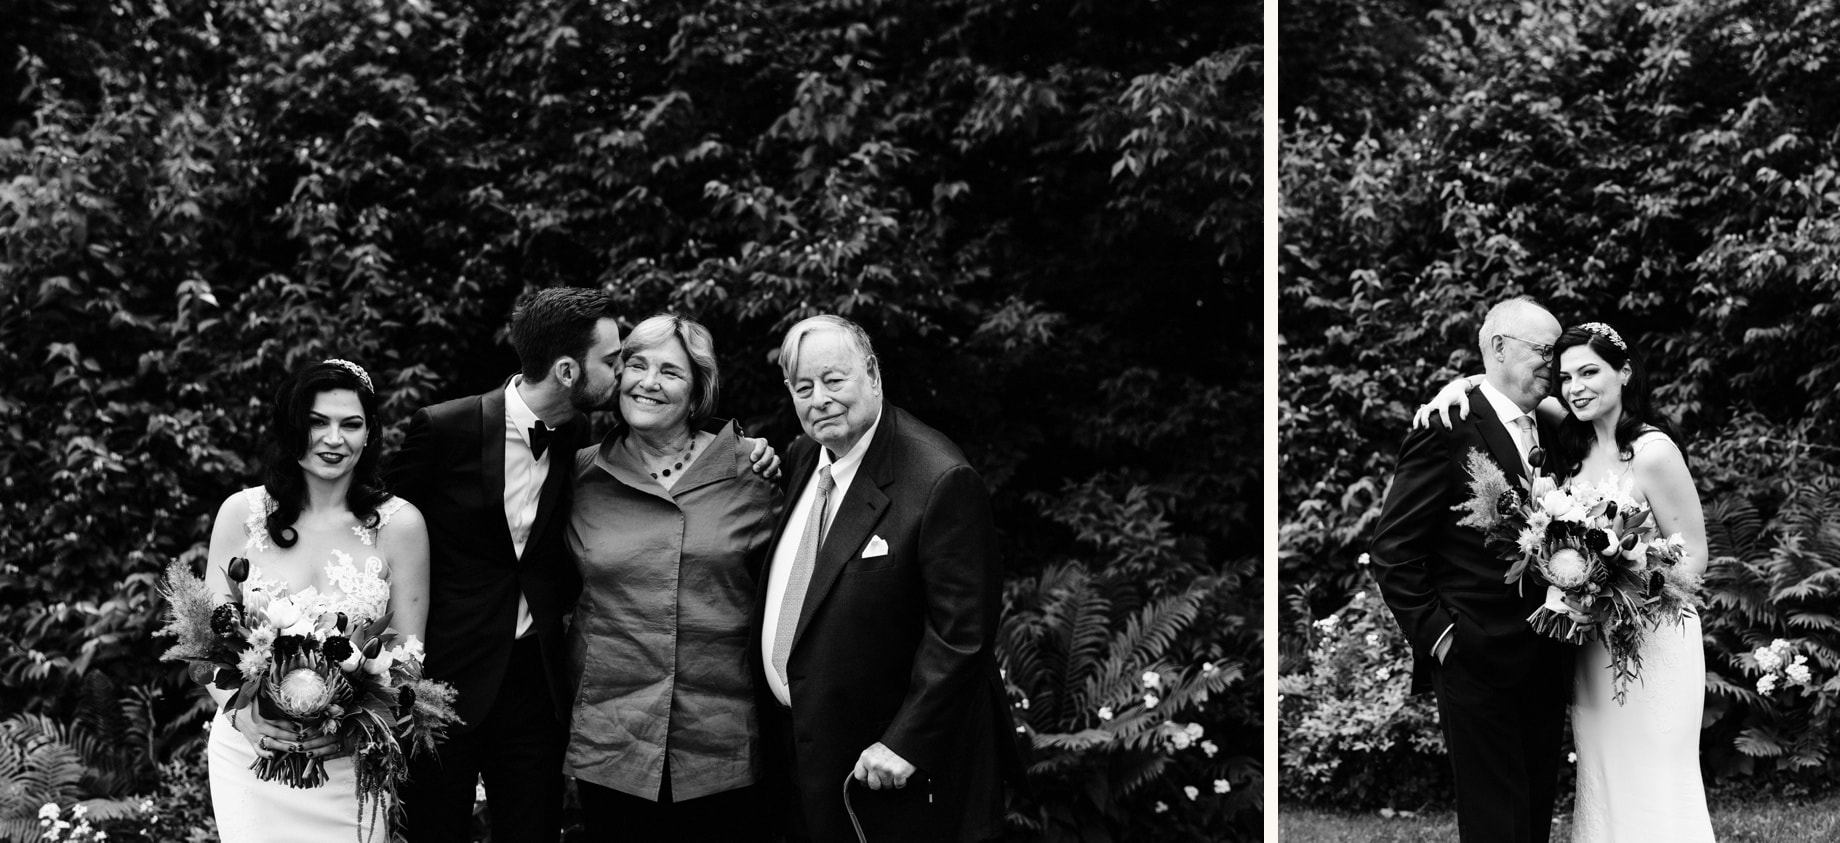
column 1567, row 568
column 303, row 693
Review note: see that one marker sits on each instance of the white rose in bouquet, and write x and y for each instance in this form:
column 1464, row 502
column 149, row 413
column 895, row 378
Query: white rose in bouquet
column 282, row 613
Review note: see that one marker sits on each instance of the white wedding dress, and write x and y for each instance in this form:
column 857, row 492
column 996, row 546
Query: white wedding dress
column 1638, row 763
column 250, row 810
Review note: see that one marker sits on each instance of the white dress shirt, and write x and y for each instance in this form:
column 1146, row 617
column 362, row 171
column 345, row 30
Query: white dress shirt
column 524, row 476
column 1508, row 411
column 779, row 568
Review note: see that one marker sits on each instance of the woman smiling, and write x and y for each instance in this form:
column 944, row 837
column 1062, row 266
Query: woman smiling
column 669, row 529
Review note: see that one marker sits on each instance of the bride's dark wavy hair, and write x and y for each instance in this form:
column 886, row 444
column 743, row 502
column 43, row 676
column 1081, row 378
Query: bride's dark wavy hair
column 1573, row 442
column 286, row 481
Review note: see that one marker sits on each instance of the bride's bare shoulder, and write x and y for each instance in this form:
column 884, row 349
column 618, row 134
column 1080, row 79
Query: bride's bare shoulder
column 1654, row 453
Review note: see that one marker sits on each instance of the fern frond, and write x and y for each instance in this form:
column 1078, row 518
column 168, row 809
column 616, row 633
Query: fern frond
column 1733, row 528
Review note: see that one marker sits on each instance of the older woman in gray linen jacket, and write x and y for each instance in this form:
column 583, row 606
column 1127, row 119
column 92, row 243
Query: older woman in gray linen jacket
column 669, row 530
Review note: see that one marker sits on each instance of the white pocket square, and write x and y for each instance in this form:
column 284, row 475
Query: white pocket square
column 875, row 547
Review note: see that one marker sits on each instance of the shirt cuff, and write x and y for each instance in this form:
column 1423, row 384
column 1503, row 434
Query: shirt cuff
column 1440, row 642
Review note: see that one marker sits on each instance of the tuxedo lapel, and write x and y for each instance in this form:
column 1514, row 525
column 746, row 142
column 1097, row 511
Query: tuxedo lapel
column 492, row 469
column 1496, row 436
column 857, row 515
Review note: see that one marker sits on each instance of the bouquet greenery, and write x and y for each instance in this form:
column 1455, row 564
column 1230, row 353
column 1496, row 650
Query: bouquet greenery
column 296, row 658
column 1608, row 572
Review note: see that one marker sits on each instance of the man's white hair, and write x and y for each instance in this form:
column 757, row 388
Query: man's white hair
column 1504, row 314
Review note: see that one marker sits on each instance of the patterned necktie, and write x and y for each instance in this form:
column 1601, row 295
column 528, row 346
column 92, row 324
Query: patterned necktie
column 800, row 578
column 539, row 439
column 1532, row 453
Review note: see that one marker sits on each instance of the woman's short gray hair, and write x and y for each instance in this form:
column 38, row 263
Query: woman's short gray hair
column 705, row 379
column 789, row 347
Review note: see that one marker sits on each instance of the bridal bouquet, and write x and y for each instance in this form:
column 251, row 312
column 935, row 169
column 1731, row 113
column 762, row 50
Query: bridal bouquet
column 1608, row 572
column 297, row 659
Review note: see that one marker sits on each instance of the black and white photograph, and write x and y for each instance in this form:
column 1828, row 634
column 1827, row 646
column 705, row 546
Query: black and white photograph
column 1559, row 485
column 777, row 421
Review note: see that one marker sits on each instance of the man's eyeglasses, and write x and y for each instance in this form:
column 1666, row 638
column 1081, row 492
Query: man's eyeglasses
column 1545, row 351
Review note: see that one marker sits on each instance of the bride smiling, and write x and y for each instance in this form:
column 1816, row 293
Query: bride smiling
column 321, row 524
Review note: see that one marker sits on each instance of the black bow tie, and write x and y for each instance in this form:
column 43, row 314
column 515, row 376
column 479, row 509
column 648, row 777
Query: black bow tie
column 539, row 439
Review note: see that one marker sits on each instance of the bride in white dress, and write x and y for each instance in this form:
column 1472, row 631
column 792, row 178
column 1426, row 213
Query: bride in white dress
column 322, row 522
column 1638, row 762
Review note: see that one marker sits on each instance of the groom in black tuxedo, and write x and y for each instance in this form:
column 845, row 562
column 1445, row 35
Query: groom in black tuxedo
column 490, row 473
column 1501, row 688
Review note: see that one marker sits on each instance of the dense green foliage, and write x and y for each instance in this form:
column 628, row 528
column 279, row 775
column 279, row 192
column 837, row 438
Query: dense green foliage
column 1045, row 213
column 1668, row 168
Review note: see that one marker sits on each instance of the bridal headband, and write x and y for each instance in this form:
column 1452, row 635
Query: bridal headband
column 364, row 377
column 1597, row 328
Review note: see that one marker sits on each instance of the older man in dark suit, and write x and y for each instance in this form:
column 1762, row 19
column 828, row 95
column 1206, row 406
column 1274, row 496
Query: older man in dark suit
column 884, row 709
column 1501, row 688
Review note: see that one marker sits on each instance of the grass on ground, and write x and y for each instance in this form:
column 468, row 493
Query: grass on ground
column 1738, row 817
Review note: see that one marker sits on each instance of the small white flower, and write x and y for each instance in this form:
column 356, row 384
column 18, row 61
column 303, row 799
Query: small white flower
column 304, row 627
column 1023, row 703
column 1162, row 807
column 1222, row 786
column 1210, row 748
column 48, row 811
column 411, row 649
column 1194, row 731
column 1152, row 679
column 1150, row 700
column 1363, row 560
column 1209, row 668
column 1360, row 595
column 1191, row 792
column 1105, row 712
column 282, row 613
column 1571, row 757
column 1766, row 683
column 380, row 665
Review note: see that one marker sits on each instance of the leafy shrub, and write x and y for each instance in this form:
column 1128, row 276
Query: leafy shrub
column 1099, row 699
column 1779, row 582
column 1350, row 732
column 202, row 195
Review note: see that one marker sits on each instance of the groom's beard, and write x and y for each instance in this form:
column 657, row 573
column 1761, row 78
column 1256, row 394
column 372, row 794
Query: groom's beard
column 586, row 402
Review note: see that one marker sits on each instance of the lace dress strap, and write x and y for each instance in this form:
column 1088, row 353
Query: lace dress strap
column 385, row 511
column 254, row 530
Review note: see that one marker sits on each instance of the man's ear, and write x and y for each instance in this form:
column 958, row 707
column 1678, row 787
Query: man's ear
column 564, row 371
